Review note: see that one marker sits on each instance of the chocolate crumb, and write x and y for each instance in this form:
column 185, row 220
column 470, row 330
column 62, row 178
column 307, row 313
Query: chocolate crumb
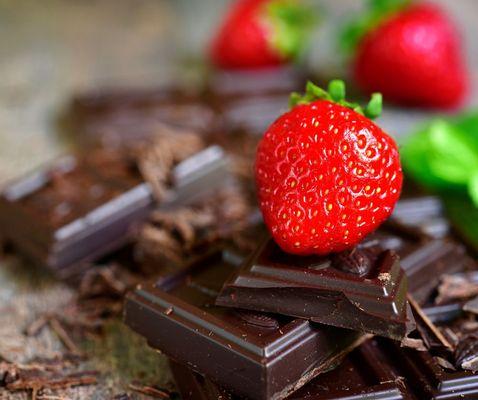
column 416, row 344
column 151, row 391
column 157, row 157
column 456, row 287
column 466, row 353
column 445, row 363
column 471, row 306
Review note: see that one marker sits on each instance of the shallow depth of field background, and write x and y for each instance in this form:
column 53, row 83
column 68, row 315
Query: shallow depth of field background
column 50, row 49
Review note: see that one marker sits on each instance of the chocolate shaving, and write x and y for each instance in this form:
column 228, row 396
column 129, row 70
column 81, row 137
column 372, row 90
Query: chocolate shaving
column 110, row 280
column 426, row 327
column 356, row 261
column 64, row 336
column 466, row 353
column 179, row 235
column 151, row 391
column 445, row 363
column 416, row 344
column 456, row 287
column 471, row 306
column 157, row 157
column 49, row 374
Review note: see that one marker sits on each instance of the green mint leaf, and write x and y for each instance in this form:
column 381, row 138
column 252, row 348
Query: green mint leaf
column 452, row 159
column 473, row 189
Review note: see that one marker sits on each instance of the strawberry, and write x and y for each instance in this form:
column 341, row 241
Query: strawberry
column 326, row 174
column 411, row 53
column 261, row 33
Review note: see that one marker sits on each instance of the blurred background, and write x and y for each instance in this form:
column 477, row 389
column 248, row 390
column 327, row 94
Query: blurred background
column 52, row 49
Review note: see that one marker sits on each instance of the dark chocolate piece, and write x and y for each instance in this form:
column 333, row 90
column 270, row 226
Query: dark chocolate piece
column 120, row 117
column 423, row 213
column 234, row 83
column 81, row 208
column 379, row 369
column 251, row 100
column 424, row 260
column 178, row 317
column 67, row 214
column 466, row 352
column 362, row 375
column 331, row 290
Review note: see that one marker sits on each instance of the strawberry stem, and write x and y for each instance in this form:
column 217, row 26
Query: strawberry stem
column 376, row 12
column 292, row 24
column 336, row 94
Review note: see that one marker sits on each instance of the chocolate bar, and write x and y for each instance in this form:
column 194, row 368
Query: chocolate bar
column 82, row 207
column 251, row 100
column 378, row 369
column 424, row 214
column 361, row 375
column 363, row 289
column 66, row 215
column 422, row 258
column 256, row 355
column 120, row 117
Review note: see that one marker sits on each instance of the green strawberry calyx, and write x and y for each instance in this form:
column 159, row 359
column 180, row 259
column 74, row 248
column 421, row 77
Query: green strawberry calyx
column 376, row 12
column 336, row 94
column 292, row 22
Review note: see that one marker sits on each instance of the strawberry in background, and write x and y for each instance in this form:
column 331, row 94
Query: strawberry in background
column 262, row 33
column 410, row 52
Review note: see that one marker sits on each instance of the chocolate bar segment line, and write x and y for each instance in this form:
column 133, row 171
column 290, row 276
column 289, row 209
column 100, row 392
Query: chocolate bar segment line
column 315, row 288
column 257, row 360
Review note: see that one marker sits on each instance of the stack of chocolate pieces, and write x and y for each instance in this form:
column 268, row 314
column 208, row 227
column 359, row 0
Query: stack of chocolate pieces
column 163, row 175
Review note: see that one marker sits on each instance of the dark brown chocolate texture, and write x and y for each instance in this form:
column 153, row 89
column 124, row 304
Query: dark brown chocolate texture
column 251, row 100
column 378, row 369
column 87, row 205
column 257, row 357
column 120, row 117
column 71, row 212
column 334, row 290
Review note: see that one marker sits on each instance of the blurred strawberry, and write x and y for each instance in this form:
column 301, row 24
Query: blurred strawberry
column 409, row 52
column 262, row 33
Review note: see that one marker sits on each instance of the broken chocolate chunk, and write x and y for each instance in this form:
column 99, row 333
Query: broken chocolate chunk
column 466, row 353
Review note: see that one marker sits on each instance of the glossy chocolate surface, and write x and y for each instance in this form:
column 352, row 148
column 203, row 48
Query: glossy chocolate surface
column 256, row 355
column 364, row 289
column 83, row 207
column 379, row 369
column 73, row 211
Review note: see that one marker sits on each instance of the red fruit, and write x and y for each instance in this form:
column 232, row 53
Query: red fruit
column 326, row 177
column 413, row 57
column 261, row 33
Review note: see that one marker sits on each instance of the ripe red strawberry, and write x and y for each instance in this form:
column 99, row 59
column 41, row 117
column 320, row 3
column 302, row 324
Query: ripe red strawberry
column 412, row 55
column 326, row 174
column 261, row 33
